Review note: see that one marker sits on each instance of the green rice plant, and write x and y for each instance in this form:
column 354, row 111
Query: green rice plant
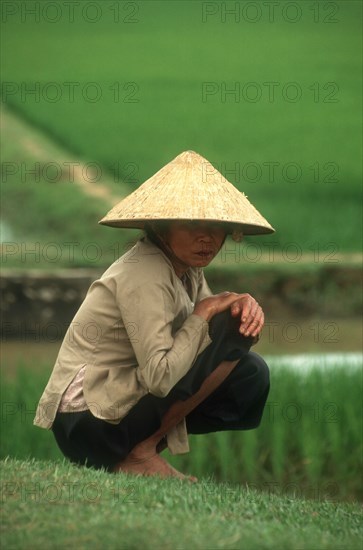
column 225, row 456
column 312, row 441
column 19, row 398
column 312, row 451
column 249, row 455
column 201, row 457
column 278, row 450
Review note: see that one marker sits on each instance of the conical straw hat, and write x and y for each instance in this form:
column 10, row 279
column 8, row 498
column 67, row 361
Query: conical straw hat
column 188, row 188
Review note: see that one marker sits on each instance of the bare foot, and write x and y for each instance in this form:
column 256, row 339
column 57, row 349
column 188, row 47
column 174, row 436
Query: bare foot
column 151, row 466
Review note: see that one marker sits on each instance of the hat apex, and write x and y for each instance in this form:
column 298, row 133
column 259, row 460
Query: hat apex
column 188, row 188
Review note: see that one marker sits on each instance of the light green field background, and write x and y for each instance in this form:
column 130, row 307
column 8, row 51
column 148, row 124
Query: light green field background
column 161, row 72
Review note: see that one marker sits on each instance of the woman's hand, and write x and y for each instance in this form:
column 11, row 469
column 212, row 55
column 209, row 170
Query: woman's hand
column 209, row 307
column 252, row 317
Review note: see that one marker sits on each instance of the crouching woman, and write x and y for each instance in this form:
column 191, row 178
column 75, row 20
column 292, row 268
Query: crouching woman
column 152, row 355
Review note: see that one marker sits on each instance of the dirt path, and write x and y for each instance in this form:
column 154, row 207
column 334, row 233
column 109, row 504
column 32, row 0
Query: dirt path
column 36, row 149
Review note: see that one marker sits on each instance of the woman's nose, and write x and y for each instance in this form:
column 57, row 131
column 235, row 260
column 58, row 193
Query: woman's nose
column 204, row 233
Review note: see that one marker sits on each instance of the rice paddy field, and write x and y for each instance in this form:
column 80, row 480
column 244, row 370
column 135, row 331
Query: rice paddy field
column 309, row 443
column 271, row 96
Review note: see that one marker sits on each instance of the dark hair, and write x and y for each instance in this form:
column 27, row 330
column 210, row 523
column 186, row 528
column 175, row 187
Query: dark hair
column 153, row 231
column 156, row 228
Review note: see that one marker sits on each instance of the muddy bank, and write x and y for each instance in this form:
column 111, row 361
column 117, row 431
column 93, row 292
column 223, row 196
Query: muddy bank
column 41, row 305
column 328, row 291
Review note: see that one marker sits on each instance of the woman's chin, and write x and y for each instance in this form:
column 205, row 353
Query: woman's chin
column 203, row 261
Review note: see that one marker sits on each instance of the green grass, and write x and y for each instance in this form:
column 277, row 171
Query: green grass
column 309, row 441
column 169, row 54
column 52, row 503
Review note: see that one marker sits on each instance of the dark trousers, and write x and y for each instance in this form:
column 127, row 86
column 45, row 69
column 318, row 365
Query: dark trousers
column 237, row 404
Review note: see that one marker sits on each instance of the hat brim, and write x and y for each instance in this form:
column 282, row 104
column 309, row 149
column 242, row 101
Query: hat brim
column 247, row 229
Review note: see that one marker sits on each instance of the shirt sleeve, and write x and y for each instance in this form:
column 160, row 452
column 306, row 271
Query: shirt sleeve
column 163, row 358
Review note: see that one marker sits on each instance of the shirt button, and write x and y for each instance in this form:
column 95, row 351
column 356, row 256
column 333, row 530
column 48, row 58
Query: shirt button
column 192, row 304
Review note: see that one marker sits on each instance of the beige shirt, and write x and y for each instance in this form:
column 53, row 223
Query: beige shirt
column 135, row 333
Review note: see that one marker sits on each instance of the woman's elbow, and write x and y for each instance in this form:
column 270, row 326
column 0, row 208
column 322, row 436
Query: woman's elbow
column 159, row 381
column 157, row 376
column 159, row 389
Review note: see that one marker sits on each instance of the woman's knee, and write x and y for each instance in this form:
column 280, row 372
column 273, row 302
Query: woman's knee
column 261, row 368
column 224, row 330
column 220, row 323
column 253, row 370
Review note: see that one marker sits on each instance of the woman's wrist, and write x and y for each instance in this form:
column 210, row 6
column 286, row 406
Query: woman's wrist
column 204, row 317
column 204, row 314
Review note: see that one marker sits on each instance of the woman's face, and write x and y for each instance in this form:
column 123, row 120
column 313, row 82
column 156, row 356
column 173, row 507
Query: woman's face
column 195, row 243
